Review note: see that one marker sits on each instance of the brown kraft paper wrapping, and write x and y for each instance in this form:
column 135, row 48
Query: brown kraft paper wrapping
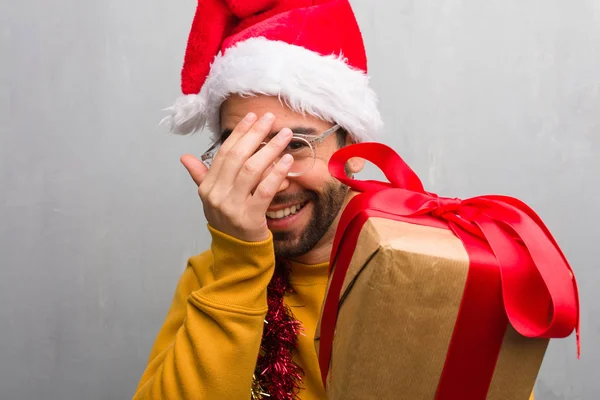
column 398, row 306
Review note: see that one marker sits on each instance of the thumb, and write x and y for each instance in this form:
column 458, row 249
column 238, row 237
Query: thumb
column 195, row 167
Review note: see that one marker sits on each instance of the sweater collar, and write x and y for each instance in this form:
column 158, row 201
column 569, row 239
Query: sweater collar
column 305, row 273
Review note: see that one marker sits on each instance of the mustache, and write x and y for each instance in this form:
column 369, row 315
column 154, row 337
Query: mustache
column 290, row 198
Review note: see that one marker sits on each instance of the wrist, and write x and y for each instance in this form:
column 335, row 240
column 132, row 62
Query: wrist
column 240, row 272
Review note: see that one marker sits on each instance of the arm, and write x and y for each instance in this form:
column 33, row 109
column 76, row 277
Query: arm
column 209, row 342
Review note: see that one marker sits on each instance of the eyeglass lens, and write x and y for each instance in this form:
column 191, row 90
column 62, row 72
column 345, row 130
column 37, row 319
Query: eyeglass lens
column 303, row 153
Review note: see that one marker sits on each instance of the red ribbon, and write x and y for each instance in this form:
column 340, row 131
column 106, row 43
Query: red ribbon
column 517, row 272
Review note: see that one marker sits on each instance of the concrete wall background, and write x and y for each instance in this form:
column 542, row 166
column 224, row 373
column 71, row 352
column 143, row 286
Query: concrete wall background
column 97, row 217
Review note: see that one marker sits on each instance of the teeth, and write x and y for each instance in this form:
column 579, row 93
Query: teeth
column 285, row 212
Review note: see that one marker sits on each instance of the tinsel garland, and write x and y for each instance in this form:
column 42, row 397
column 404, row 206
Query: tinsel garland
column 277, row 376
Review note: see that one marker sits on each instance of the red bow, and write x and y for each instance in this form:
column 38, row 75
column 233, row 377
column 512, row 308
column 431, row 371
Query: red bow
column 539, row 291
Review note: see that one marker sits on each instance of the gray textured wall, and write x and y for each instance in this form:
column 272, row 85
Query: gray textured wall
column 97, row 217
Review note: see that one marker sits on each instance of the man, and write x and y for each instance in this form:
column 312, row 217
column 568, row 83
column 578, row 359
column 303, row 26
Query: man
column 282, row 85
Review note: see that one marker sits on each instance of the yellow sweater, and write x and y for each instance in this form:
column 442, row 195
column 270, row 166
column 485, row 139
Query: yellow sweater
column 209, row 342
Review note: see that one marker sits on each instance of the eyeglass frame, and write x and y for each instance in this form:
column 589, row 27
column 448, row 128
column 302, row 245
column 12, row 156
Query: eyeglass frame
column 313, row 140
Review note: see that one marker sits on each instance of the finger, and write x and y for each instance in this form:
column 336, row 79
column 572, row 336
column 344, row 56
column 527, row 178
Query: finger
column 253, row 170
column 240, row 130
column 244, row 148
column 195, row 168
column 267, row 189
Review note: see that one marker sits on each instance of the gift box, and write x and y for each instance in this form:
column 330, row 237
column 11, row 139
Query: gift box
column 438, row 298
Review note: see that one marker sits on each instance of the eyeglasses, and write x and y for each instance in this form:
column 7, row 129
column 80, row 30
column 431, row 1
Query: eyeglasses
column 301, row 148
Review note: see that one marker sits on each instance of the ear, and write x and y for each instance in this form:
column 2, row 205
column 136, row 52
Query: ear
column 356, row 164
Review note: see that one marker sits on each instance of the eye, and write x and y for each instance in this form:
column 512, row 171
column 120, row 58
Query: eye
column 297, row 145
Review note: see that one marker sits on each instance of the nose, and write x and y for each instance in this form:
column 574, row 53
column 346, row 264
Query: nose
column 284, row 185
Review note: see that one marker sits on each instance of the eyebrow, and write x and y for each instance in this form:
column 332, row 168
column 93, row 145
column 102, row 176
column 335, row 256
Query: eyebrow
column 298, row 130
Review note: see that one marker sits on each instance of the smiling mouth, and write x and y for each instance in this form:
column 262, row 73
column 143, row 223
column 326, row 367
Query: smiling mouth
column 286, row 212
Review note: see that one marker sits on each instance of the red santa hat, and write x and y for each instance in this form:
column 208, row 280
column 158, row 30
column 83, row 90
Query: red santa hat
column 309, row 53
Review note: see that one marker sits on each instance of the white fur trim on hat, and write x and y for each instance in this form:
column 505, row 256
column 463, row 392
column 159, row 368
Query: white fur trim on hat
column 325, row 87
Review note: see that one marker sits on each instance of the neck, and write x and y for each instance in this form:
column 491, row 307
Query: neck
column 319, row 254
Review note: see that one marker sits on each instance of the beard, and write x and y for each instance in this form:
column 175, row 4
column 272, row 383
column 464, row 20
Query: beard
column 326, row 206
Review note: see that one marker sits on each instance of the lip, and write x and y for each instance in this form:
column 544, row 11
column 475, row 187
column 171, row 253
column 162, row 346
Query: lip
column 289, row 221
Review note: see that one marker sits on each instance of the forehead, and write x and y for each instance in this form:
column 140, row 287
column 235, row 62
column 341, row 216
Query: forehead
column 236, row 107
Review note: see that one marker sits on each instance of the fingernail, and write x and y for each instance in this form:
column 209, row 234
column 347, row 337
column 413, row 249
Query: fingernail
column 268, row 117
column 284, row 134
column 249, row 117
column 286, row 160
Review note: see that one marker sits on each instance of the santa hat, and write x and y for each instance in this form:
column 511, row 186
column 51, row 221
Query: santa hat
column 309, row 53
